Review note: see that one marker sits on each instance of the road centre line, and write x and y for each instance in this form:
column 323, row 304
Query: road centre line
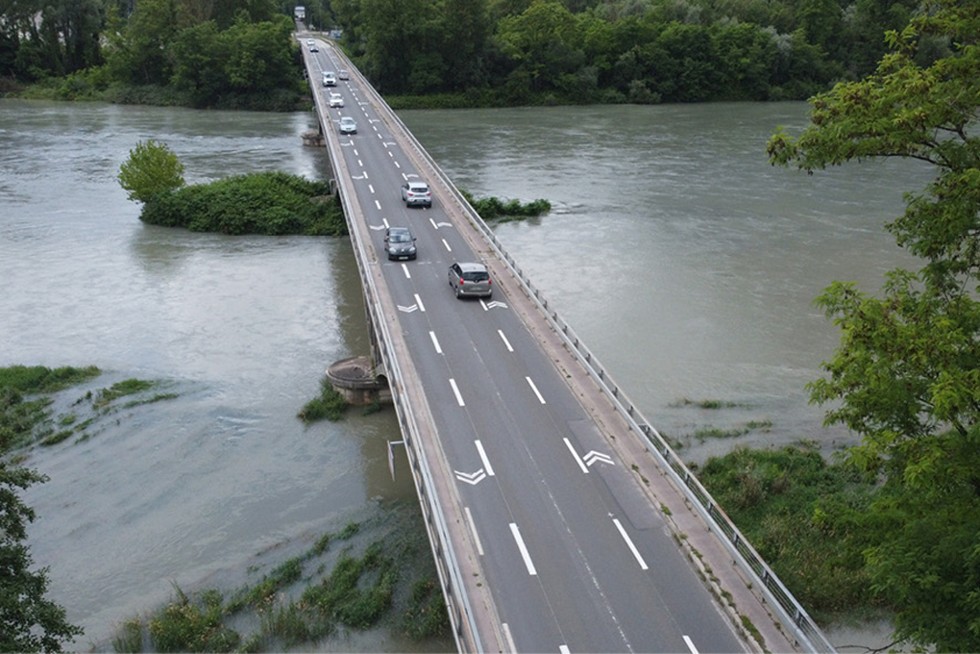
column 578, row 459
column 449, row 248
column 523, row 548
column 476, row 536
column 408, row 273
column 535, row 389
column 356, row 153
column 690, row 645
column 435, row 342
column 459, row 398
column 504, row 339
column 629, row 543
column 377, row 204
column 371, row 188
column 418, row 301
column 483, row 457
column 360, row 163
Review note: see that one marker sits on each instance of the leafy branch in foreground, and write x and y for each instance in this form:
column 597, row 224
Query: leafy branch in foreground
column 906, row 375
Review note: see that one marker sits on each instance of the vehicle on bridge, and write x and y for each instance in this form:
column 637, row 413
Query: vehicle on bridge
column 470, row 280
column 336, row 100
column 416, row 194
column 400, row 243
column 347, row 125
column 343, row 75
column 329, row 78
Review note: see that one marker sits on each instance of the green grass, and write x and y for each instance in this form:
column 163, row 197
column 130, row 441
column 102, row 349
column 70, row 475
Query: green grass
column 706, row 404
column 121, row 389
column 803, row 516
column 330, row 405
column 38, row 379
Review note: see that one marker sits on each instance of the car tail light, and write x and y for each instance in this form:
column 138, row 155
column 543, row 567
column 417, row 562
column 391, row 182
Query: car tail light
column 461, row 281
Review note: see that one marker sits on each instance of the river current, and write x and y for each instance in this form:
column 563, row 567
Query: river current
column 684, row 261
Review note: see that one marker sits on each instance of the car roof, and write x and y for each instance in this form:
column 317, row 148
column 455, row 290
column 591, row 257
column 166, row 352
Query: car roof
column 393, row 230
column 469, row 266
column 418, row 184
column 346, row 119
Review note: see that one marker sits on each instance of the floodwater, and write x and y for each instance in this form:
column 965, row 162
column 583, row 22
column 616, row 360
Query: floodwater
column 684, row 261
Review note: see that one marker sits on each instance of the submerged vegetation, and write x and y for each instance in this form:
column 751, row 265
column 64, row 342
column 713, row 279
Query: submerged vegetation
column 27, row 398
column 357, row 579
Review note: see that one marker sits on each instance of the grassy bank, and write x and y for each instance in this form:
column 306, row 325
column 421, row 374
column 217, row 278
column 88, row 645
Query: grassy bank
column 808, row 520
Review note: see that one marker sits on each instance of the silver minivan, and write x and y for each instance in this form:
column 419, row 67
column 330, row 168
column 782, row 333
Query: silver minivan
column 470, row 280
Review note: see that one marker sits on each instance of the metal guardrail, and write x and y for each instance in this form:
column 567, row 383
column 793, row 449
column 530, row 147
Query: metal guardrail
column 793, row 615
column 461, row 616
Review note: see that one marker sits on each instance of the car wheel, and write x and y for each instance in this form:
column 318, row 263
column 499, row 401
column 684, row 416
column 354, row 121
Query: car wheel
column 457, row 292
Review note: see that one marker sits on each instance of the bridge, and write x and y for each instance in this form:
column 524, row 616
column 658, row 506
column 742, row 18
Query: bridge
column 559, row 519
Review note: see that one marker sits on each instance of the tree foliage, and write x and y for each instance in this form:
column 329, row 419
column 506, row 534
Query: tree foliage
column 31, row 623
column 151, row 170
column 906, row 375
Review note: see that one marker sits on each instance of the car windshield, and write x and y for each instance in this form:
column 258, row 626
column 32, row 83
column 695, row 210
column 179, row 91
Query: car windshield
column 400, row 237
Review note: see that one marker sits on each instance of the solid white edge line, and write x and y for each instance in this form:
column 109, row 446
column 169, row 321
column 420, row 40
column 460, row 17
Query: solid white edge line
column 459, row 398
column 535, row 389
column 418, row 301
column 629, row 543
column 523, row 548
column 690, row 645
column 483, row 457
column 476, row 536
column 578, row 459
column 435, row 342
column 510, row 639
column 504, row 339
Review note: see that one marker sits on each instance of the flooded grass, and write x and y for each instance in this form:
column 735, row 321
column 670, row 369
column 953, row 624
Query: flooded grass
column 383, row 576
column 28, row 395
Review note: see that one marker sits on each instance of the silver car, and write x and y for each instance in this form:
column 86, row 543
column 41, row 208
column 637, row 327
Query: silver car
column 470, row 280
column 347, row 125
column 416, row 193
column 400, row 243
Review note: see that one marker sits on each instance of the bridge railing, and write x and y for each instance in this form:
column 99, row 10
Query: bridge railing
column 462, row 618
column 792, row 613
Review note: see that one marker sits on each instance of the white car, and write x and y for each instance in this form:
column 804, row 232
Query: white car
column 347, row 125
column 336, row 100
column 329, row 78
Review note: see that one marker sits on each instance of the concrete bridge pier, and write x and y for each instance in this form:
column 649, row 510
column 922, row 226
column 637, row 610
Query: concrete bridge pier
column 358, row 381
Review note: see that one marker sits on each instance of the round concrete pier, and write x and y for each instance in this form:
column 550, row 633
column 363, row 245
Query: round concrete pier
column 355, row 378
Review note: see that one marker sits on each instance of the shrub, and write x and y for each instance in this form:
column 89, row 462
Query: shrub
column 257, row 203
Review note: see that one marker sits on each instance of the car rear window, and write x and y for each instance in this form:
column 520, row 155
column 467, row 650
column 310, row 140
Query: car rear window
column 476, row 276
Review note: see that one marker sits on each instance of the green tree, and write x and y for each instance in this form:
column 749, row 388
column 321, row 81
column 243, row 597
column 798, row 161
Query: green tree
column 152, row 169
column 30, row 622
column 906, row 375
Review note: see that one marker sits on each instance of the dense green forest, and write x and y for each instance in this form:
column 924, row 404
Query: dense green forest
column 228, row 53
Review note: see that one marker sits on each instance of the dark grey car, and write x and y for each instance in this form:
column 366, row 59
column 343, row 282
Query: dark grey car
column 400, row 243
column 470, row 280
